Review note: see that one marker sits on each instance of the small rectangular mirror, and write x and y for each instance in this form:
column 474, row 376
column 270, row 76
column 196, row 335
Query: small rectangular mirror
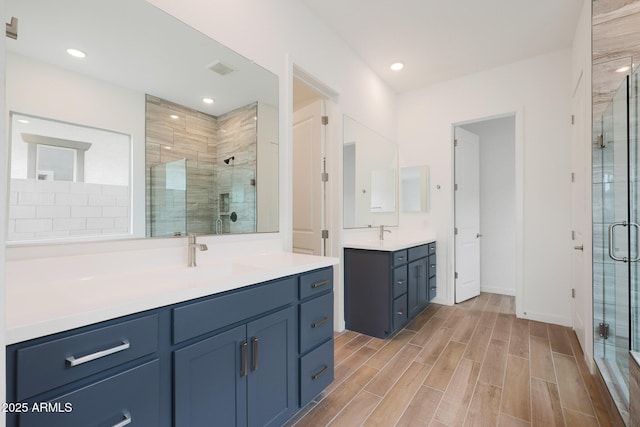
column 414, row 184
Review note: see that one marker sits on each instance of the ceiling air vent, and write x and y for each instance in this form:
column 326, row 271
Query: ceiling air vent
column 220, row 68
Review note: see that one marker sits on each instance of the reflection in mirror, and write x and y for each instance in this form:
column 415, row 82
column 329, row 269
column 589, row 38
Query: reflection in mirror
column 414, row 188
column 370, row 177
column 144, row 77
column 67, row 180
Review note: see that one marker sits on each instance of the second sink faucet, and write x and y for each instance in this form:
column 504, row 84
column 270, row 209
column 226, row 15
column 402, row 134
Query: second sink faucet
column 192, row 249
column 382, row 231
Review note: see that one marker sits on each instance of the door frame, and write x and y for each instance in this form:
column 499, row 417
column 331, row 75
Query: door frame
column 518, row 113
column 333, row 193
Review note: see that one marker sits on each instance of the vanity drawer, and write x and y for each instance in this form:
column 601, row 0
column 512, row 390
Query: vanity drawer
column 418, row 252
column 198, row 318
column 432, row 248
column 432, row 265
column 316, row 321
column 399, row 281
column 316, row 282
column 316, row 372
column 49, row 365
column 131, row 395
column 400, row 314
column 433, row 288
column 399, row 258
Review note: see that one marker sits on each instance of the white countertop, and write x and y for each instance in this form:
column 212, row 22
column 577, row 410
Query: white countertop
column 389, row 245
column 38, row 309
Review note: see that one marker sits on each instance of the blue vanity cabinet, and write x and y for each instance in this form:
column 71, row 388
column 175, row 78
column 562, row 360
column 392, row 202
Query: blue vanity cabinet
column 418, row 271
column 433, row 288
column 384, row 290
column 316, row 333
column 241, row 377
column 104, row 374
column 229, row 359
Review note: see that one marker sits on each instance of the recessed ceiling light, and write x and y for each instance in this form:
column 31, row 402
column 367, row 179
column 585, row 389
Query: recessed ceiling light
column 207, row 100
column 25, row 121
column 76, row 53
column 174, row 116
column 166, row 147
column 623, row 69
column 397, row 66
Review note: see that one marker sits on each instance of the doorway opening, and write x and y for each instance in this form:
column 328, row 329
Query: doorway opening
column 485, row 216
column 311, row 223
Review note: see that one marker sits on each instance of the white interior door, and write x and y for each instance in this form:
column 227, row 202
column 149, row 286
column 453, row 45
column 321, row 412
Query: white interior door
column 579, row 213
column 308, row 205
column 467, row 215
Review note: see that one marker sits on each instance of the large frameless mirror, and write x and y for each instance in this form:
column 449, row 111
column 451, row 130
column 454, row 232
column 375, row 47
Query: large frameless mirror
column 370, row 170
column 125, row 122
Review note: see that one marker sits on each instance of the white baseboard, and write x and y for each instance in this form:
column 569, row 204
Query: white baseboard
column 501, row 291
column 547, row 318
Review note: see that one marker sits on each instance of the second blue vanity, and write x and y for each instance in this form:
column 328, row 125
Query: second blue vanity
column 387, row 284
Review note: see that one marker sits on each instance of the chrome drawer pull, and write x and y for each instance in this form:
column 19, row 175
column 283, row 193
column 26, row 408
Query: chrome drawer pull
column 400, row 258
column 127, row 420
column 72, row 361
column 321, row 373
column 325, row 319
column 318, row 284
column 401, row 282
column 400, row 313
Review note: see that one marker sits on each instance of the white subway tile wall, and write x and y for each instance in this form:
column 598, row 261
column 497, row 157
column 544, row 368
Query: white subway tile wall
column 57, row 209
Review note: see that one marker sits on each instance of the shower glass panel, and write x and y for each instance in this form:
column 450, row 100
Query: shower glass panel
column 615, row 236
column 236, row 200
column 168, row 182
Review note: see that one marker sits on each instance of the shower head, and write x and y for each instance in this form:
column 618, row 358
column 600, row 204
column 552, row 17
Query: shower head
column 229, row 159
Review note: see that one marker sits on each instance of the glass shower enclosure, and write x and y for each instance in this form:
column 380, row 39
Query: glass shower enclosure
column 616, row 240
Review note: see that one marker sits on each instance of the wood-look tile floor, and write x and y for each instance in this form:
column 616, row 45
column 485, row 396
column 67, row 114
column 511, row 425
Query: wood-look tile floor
column 473, row 364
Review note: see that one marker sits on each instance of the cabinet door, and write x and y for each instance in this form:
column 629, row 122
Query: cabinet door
column 417, row 292
column 423, row 282
column 210, row 387
column 272, row 368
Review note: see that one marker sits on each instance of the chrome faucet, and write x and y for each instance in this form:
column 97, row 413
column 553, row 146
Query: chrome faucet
column 382, row 231
column 192, row 249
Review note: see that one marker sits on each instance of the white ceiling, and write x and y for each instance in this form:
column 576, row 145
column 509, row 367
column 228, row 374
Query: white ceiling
column 443, row 39
column 131, row 43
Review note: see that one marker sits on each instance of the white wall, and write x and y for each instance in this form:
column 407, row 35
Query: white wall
column 43, row 90
column 538, row 91
column 497, row 204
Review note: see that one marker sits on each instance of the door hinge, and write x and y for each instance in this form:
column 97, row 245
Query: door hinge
column 456, row 275
column 12, row 28
column 573, row 119
column 573, row 235
column 573, row 292
column 455, row 230
column 573, row 177
column 455, row 187
column 455, row 142
column 325, row 120
column 325, row 234
column 603, row 330
column 324, row 176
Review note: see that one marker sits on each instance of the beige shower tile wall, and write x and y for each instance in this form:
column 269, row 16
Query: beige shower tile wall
column 238, row 139
column 616, row 43
column 192, row 136
column 205, row 141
